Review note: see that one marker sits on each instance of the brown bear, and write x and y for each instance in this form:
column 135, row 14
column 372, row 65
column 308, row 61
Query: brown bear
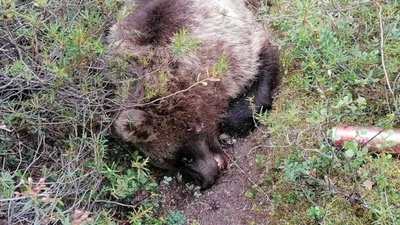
column 196, row 63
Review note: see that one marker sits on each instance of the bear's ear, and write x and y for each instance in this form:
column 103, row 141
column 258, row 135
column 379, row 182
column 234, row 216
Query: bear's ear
column 134, row 126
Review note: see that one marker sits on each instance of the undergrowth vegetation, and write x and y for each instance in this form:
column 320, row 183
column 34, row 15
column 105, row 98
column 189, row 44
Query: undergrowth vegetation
column 59, row 163
column 60, row 90
column 340, row 66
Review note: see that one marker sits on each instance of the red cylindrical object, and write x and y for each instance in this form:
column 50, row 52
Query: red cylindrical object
column 375, row 139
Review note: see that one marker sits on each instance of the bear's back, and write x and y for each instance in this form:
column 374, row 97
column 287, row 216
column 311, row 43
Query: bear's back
column 220, row 28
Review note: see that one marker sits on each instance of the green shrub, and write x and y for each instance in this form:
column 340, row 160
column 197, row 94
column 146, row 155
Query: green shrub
column 333, row 74
column 58, row 88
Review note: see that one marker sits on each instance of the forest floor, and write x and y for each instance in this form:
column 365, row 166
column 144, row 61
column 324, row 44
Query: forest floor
column 231, row 200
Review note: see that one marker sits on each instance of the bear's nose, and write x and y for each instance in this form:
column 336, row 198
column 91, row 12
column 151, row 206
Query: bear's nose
column 222, row 160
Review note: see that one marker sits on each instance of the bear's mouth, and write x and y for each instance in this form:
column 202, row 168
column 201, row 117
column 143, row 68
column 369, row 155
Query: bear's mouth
column 221, row 159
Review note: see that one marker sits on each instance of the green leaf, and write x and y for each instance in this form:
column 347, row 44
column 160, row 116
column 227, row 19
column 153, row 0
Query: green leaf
column 249, row 194
column 349, row 153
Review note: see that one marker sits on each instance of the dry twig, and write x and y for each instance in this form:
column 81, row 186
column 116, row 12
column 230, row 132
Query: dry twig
column 382, row 51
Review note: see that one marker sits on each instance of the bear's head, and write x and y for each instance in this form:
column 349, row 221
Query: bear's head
column 174, row 144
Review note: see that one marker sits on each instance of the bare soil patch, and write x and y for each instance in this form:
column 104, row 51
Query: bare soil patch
column 226, row 202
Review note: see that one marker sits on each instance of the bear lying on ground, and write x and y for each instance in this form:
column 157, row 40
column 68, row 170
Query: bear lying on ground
column 196, row 63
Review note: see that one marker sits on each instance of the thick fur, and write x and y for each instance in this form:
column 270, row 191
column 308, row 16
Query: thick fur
column 180, row 130
column 239, row 119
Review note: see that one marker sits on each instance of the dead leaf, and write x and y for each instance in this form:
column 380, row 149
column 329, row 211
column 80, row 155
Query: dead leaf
column 368, row 184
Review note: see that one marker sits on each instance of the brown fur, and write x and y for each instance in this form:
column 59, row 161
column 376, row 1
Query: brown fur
column 190, row 119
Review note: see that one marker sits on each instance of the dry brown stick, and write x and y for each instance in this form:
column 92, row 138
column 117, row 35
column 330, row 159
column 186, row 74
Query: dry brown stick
column 118, row 203
column 382, row 52
column 248, row 178
column 173, row 94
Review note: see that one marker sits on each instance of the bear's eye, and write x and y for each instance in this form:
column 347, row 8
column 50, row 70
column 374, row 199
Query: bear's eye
column 187, row 161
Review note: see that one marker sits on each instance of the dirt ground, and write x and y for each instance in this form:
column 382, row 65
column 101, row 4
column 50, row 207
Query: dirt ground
column 226, row 202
